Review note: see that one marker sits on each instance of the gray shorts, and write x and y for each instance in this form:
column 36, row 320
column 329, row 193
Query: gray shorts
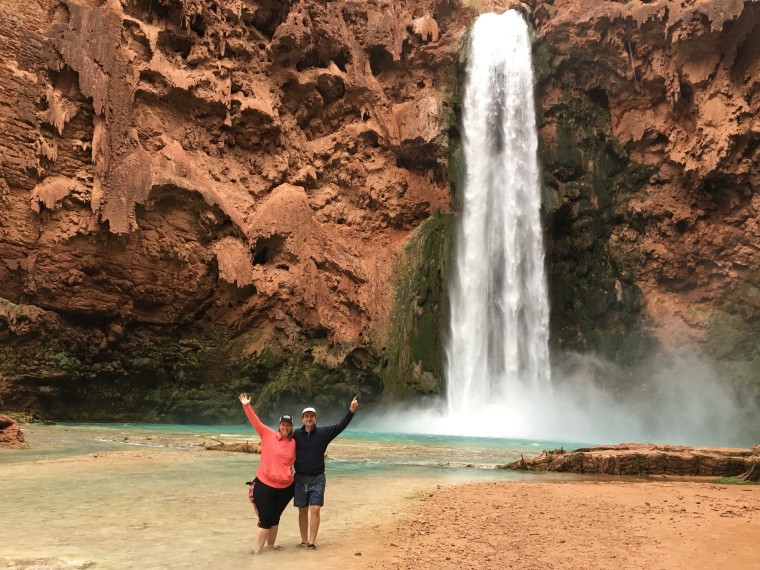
column 309, row 490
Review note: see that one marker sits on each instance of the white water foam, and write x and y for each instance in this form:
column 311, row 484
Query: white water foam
column 499, row 304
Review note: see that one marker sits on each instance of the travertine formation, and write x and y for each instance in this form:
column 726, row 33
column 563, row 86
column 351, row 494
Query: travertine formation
column 643, row 459
column 204, row 196
column 674, row 88
column 255, row 165
column 11, row 434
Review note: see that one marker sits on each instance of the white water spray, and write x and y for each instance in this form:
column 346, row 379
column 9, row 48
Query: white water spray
column 499, row 309
column 498, row 368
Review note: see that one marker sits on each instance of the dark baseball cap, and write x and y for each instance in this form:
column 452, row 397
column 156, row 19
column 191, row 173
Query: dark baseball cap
column 286, row 418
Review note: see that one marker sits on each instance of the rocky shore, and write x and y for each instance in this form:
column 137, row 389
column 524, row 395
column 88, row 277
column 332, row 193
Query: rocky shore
column 11, row 434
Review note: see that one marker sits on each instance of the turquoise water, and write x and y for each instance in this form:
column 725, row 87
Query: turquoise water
column 146, row 496
column 353, row 449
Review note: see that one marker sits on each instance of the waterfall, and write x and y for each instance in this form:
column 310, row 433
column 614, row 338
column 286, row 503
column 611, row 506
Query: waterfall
column 498, row 345
column 498, row 369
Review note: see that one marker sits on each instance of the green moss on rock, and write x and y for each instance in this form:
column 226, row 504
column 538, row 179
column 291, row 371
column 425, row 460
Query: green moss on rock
column 414, row 354
column 596, row 304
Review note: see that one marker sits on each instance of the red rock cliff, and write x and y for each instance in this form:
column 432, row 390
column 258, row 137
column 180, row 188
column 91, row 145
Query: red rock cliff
column 218, row 193
column 255, row 167
column 651, row 122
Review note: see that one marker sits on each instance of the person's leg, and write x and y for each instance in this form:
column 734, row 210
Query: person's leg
column 313, row 523
column 259, row 539
column 264, row 501
column 282, row 498
column 301, row 501
column 272, row 535
column 303, row 524
column 316, row 501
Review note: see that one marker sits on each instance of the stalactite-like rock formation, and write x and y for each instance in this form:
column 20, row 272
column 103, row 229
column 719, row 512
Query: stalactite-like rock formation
column 204, row 196
column 217, row 170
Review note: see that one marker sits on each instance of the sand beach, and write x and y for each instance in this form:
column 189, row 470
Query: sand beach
column 581, row 525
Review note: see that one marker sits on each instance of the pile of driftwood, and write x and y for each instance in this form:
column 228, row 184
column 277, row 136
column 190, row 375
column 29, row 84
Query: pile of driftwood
column 647, row 459
column 247, row 447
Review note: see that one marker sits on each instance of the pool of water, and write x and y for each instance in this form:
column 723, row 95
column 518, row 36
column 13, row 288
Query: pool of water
column 145, row 496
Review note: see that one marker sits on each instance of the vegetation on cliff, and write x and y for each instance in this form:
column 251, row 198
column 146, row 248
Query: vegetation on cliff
column 414, row 355
column 652, row 197
column 256, row 197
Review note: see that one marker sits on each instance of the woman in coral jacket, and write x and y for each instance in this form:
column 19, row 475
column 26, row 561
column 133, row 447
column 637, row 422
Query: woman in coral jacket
column 272, row 489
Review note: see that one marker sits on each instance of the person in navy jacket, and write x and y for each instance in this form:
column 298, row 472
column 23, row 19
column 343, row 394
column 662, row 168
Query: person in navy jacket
column 311, row 444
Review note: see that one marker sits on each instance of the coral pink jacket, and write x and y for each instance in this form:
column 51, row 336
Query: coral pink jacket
column 277, row 453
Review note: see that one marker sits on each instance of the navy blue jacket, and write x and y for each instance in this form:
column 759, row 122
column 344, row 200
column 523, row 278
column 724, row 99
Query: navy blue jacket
column 311, row 446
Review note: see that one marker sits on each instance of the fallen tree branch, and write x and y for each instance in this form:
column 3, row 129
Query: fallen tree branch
column 246, row 447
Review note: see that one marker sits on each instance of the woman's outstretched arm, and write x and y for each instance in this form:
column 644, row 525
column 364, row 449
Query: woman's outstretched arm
column 257, row 424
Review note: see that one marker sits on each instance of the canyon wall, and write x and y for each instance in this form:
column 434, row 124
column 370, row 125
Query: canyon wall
column 650, row 118
column 201, row 197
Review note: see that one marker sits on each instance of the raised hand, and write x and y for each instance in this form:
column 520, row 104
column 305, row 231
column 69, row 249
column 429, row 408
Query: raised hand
column 354, row 404
column 244, row 399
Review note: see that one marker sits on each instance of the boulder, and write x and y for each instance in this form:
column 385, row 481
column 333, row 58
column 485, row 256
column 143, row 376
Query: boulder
column 11, row 434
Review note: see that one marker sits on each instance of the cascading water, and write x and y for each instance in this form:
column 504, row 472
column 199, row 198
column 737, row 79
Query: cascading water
column 498, row 370
column 498, row 345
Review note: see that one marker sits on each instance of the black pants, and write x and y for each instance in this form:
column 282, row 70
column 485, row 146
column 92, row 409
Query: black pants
column 269, row 502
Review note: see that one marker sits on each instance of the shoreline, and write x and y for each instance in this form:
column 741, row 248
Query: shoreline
column 147, row 490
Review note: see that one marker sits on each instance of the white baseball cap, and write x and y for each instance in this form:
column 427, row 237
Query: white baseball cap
column 309, row 410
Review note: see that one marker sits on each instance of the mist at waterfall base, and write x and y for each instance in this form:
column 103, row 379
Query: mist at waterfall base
column 500, row 380
column 675, row 399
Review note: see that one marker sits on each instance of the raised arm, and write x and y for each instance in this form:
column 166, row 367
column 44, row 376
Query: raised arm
column 257, row 424
column 334, row 430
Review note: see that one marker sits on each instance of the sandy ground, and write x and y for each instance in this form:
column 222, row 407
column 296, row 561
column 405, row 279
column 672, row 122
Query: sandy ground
column 581, row 525
column 567, row 525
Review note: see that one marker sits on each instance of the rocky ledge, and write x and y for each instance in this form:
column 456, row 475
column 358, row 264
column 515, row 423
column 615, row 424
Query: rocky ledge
column 648, row 459
column 11, row 434
column 203, row 197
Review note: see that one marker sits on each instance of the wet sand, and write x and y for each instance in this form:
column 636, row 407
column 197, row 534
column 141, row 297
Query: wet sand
column 173, row 509
column 581, row 525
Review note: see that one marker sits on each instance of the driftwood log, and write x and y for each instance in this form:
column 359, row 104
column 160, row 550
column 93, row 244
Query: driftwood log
column 753, row 473
column 647, row 459
column 247, row 447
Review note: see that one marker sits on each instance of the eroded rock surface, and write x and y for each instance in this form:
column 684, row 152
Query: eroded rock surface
column 246, row 170
column 644, row 459
column 201, row 197
column 11, row 434
column 649, row 115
